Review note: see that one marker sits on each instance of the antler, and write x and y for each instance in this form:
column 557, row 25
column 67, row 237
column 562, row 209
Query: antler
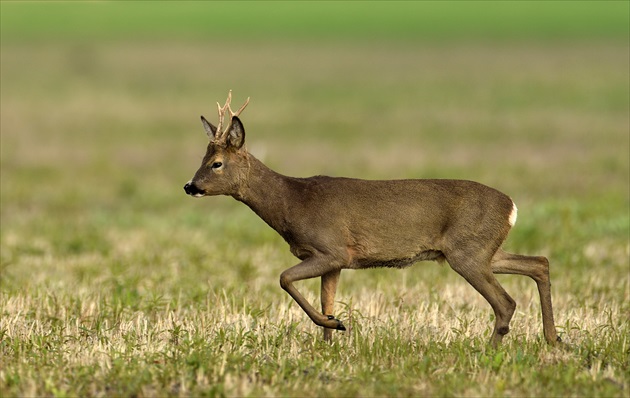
column 222, row 109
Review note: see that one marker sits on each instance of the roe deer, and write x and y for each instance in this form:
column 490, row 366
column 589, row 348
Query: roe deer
column 332, row 224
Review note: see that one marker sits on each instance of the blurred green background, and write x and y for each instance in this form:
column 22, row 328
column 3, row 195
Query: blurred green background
column 101, row 104
column 316, row 20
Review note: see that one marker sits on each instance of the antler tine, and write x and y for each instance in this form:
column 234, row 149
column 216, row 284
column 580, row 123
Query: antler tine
column 228, row 101
column 240, row 109
column 221, row 110
column 220, row 123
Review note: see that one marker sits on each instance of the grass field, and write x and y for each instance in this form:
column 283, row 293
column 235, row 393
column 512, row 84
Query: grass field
column 115, row 283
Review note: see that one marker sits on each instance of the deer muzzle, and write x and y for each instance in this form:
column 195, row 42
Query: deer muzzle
column 192, row 190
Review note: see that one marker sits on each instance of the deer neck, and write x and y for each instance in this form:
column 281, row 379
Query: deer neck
column 266, row 193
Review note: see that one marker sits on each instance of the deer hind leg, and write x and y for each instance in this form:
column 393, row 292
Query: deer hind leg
column 478, row 273
column 310, row 268
column 536, row 268
column 329, row 288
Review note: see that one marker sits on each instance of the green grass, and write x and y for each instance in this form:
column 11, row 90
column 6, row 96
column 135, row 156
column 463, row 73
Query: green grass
column 254, row 20
column 114, row 283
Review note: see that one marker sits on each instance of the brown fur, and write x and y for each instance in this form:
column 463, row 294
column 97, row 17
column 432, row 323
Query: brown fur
column 343, row 223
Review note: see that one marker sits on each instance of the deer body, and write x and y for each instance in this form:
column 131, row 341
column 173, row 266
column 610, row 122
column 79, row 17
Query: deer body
column 374, row 223
column 343, row 223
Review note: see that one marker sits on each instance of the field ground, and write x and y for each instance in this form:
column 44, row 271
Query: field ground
column 114, row 283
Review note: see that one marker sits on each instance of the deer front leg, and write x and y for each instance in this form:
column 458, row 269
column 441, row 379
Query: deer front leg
column 310, row 268
column 329, row 288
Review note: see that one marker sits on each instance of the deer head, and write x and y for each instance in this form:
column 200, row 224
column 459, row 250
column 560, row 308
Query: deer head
column 224, row 167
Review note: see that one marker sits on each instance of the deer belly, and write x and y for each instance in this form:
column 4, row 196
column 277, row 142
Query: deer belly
column 402, row 262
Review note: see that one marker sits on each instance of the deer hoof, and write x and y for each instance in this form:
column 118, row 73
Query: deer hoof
column 339, row 324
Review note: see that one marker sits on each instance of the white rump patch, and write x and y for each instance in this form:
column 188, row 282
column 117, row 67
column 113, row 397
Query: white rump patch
column 513, row 214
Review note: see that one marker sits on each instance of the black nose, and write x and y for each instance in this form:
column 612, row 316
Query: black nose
column 191, row 189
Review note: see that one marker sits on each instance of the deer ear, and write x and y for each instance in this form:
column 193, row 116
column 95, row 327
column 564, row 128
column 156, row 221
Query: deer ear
column 210, row 129
column 236, row 135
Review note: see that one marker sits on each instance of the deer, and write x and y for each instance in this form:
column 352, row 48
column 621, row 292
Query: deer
column 336, row 223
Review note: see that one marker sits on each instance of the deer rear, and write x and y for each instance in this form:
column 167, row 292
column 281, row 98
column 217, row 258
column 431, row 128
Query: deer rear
column 332, row 224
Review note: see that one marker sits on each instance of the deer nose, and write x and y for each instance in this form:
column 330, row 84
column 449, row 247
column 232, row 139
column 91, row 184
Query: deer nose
column 191, row 189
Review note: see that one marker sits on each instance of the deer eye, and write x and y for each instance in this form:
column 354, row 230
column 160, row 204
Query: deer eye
column 216, row 165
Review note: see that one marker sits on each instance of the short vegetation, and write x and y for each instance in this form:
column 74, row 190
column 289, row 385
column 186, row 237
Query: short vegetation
column 115, row 283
